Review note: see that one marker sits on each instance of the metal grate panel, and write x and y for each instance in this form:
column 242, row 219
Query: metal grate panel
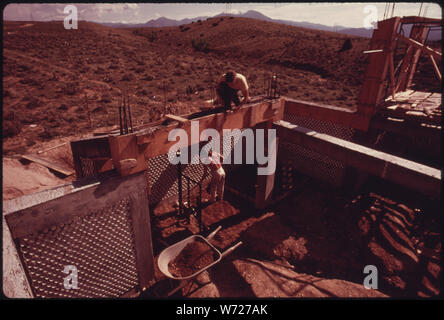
column 100, row 245
column 162, row 176
column 314, row 163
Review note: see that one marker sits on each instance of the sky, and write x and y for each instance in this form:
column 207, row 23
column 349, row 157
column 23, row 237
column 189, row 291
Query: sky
column 330, row 14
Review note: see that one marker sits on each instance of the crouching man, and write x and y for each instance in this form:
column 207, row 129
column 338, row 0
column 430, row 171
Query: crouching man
column 228, row 87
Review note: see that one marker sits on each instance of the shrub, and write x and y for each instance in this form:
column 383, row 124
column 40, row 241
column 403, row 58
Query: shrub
column 200, row 45
column 152, row 36
column 11, row 125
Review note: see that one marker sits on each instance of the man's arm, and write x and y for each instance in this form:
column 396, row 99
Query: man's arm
column 246, row 96
column 244, row 89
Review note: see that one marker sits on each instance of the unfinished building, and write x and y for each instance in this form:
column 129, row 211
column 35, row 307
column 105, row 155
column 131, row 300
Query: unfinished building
column 103, row 223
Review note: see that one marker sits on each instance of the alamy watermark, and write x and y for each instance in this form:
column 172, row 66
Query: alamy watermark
column 254, row 146
column 371, row 18
column 71, row 20
column 71, row 280
column 371, row 281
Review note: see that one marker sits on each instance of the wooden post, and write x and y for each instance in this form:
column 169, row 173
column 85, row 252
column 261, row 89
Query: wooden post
column 438, row 73
column 372, row 89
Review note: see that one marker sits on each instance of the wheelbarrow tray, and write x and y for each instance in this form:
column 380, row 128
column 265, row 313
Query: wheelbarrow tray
column 170, row 253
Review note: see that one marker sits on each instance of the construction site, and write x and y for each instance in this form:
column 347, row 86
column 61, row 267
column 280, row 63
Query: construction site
column 353, row 187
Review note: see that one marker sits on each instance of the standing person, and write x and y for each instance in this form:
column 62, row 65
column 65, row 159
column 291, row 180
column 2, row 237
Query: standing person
column 229, row 85
column 218, row 176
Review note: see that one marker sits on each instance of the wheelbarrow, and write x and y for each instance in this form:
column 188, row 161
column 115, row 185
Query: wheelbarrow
column 170, row 253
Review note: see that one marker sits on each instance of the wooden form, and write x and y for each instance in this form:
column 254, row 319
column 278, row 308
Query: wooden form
column 381, row 64
column 371, row 94
column 145, row 144
column 96, row 149
column 413, row 175
column 81, row 201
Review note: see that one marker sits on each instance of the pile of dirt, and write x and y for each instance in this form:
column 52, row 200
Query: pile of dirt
column 193, row 258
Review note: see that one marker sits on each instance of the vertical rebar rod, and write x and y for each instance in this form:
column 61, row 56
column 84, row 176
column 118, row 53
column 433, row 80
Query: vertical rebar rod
column 179, row 183
column 199, row 208
column 129, row 114
column 188, row 192
column 125, row 120
column 120, row 119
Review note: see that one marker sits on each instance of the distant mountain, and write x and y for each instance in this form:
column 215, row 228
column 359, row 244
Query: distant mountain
column 165, row 22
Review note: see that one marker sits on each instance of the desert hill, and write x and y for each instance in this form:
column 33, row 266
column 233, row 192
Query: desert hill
column 57, row 82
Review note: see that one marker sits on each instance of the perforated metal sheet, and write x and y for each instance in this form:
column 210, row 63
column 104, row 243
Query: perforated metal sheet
column 100, row 245
column 326, row 127
column 314, row 163
column 162, row 175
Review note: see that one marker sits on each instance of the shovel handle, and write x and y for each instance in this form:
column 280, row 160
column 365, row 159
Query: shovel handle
column 228, row 251
column 212, row 234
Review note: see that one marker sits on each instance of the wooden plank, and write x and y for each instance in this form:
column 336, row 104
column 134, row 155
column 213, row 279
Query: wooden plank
column 418, row 96
column 43, row 162
column 142, row 233
column 52, row 148
column 413, row 175
column 176, row 118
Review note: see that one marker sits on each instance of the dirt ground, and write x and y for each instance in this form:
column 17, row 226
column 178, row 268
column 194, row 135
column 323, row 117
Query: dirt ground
column 314, row 243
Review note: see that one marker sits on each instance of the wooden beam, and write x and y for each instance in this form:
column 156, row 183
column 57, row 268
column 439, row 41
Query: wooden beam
column 176, row 118
column 416, row 19
column 341, row 116
column 52, row 148
column 53, row 166
column 392, row 75
column 413, row 175
column 425, row 49
column 373, row 51
column 435, row 66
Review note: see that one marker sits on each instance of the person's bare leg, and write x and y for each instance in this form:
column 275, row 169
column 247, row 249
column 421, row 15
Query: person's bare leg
column 213, row 189
column 221, row 187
